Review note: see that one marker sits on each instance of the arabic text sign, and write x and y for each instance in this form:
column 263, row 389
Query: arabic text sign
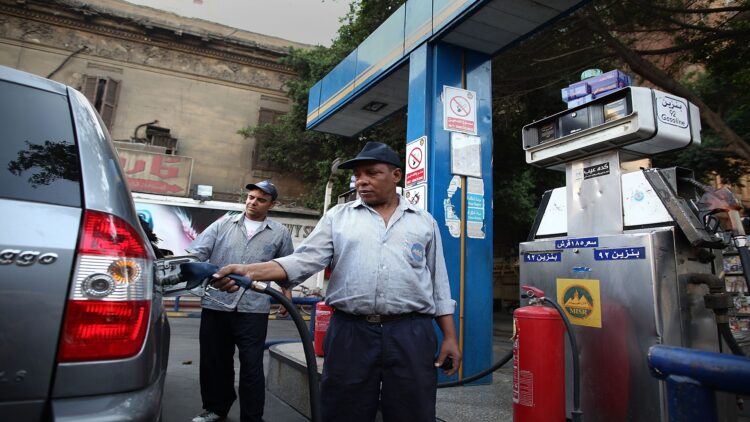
column 156, row 173
column 416, row 159
column 596, row 171
column 543, row 257
column 459, row 110
column 618, row 254
column 581, row 242
column 672, row 111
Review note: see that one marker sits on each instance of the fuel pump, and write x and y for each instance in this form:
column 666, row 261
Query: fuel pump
column 628, row 253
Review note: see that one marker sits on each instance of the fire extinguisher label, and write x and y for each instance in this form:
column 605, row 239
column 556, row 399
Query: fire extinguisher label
column 523, row 381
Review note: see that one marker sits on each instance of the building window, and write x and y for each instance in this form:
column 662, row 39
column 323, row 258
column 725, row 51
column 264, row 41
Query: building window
column 102, row 93
column 265, row 116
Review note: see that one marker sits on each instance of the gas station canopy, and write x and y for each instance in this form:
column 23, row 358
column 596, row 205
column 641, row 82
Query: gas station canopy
column 371, row 83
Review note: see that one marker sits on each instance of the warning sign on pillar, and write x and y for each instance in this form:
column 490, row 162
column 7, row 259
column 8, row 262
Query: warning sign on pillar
column 459, row 110
column 417, row 195
column 416, row 161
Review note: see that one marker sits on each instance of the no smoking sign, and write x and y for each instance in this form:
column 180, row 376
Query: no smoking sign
column 416, row 160
column 459, row 110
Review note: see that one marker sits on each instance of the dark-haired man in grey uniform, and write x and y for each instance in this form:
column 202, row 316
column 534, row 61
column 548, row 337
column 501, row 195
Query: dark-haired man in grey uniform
column 388, row 283
column 246, row 238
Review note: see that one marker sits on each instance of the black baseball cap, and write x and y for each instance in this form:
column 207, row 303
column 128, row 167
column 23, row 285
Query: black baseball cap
column 374, row 151
column 266, row 186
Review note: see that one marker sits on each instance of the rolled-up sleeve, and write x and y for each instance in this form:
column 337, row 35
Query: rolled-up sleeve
column 203, row 245
column 441, row 289
column 312, row 255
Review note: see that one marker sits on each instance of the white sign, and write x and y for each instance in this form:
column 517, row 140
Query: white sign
column 416, row 161
column 417, row 195
column 466, row 154
column 459, row 110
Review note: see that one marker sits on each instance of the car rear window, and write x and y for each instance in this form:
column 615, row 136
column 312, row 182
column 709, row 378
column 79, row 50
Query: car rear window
column 39, row 158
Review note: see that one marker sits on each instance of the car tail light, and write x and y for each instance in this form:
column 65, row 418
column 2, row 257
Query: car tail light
column 109, row 304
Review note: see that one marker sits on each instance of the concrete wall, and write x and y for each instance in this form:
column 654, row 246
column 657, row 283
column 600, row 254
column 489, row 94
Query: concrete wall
column 204, row 94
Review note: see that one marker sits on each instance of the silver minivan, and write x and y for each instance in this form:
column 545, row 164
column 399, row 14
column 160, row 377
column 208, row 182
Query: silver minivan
column 83, row 333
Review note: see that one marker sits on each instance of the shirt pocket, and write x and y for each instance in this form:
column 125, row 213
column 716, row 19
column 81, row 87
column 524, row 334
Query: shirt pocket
column 415, row 249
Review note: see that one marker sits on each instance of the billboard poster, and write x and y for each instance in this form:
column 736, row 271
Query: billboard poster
column 177, row 226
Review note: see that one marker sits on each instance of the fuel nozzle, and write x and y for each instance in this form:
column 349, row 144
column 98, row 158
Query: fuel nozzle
column 200, row 274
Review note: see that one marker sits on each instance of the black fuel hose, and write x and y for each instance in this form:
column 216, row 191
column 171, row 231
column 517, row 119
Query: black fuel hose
column 576, row 412
column 497, row 365
column 304, row 333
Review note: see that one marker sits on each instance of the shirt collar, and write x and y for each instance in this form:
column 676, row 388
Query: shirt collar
column 403, row 204
column 240, row 219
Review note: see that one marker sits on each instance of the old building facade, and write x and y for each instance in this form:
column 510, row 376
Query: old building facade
column 173, row 91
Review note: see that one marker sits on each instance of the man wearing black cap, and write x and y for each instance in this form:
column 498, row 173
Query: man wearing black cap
column 247, row 238
column 388, row 283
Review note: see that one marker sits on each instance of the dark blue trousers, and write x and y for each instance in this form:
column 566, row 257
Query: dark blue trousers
column 389, row 364
column 220, row 332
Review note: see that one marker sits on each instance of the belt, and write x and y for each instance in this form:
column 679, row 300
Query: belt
column 377, row 318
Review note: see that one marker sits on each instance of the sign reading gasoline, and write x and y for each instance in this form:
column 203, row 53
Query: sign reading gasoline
column 416, row 161
column 459, row 110
column 581, row 301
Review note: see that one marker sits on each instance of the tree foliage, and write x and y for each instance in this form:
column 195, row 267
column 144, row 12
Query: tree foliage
column 308, row 154
column 691, row 48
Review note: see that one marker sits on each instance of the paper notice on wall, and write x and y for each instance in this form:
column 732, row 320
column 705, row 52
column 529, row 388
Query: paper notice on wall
column 475, row 208
column 466, row 154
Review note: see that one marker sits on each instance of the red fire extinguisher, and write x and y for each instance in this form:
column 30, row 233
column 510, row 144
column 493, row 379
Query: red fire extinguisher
column 323, row 315
column 538, row 362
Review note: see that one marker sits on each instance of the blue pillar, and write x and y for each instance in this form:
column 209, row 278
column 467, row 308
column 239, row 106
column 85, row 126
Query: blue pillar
column 432, row 66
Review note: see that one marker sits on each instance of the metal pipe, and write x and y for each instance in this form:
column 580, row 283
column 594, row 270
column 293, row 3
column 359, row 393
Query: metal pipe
column 740, row 243
column 718, row 371
column 718, row 301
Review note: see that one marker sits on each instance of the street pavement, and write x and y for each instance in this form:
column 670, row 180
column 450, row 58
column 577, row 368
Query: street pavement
column 182, row 397
column 182, row 400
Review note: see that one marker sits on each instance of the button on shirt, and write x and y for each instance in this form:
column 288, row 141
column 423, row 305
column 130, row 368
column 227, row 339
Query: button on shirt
column 376, row 269
column 226, row 241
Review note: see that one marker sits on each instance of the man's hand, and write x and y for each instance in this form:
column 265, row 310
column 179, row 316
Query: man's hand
column 283, row 312
column 225, row 284
column 449, row 349
column 264, row 271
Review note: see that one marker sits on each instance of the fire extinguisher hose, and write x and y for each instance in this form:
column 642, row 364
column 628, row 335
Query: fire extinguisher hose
column 307, row 346
column 576, row 413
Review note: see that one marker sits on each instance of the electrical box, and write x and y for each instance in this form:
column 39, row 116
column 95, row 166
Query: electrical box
column 639, row 122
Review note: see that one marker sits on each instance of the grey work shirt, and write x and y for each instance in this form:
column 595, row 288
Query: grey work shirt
column 226, row 242
column 376, row 269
